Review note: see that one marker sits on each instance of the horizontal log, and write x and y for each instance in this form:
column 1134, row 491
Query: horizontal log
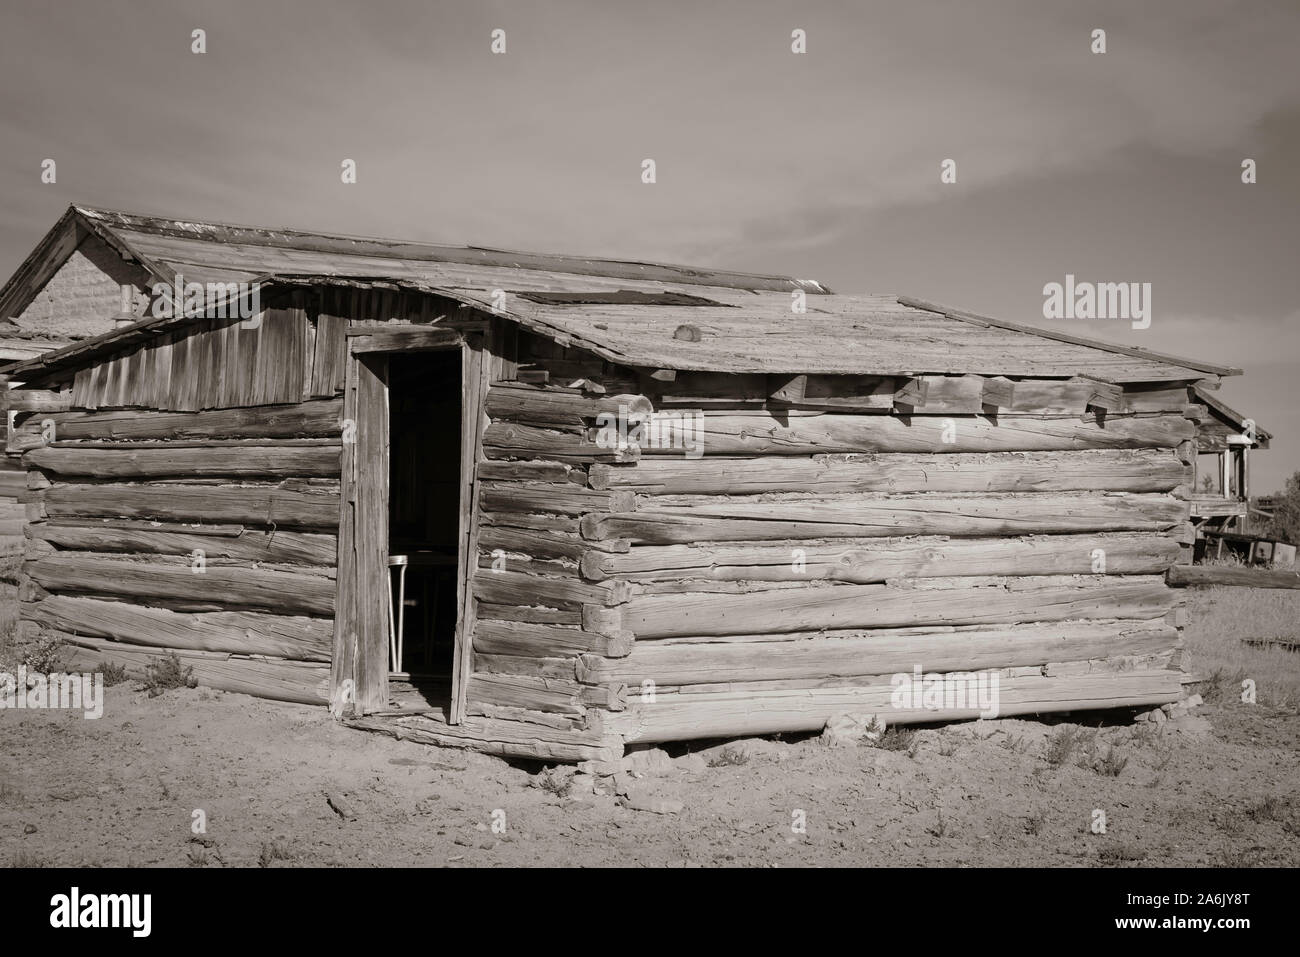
column 527, row 665
column 300, row 548
column 531, row 472
column 34, row 400
column 507, row 440
column 246, row 633
column 749, row 711
column 562, row 696
column 810, row 656
column 884, row 516
column 554, row 408
column 531, row 614
column 304, row 682
column 271, row 505
column 1184, row 575
column 534, row 740
column 563, row 499
column 1119, row 470
column 540, row 544
column 282, row 592
column 884, row 606
column 309, row 419
column 544, row 641
column 868, row 561
column 236, row 462
column 520, row 588
column 766, row 433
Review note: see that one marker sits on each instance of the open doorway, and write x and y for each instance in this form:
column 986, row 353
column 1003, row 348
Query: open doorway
column 424, row 506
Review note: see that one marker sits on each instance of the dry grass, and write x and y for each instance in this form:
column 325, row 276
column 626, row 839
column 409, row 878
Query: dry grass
column 1220, row 617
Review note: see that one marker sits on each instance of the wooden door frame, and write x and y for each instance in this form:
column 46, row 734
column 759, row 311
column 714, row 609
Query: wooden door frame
column 359, row 666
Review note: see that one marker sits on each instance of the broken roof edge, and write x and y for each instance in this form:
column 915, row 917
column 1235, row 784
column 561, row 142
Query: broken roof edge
column 417, row 251
column 1136, row 352
column 1232, row 416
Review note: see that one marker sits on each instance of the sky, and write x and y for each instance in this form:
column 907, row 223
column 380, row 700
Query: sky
column 1122, row 166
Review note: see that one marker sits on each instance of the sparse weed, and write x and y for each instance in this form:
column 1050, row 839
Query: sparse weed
column 897, row 739
column 163, row 674
column 113, row 674
column 1121, row 852
column 1110, row 764
column 729, row 757
column 940, row 828
column 1268, row 808
column 273, row 851
column 1061, row 745
column 26, row 859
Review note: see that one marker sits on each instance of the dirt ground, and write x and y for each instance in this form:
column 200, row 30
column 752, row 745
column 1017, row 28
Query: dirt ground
column 281, row 785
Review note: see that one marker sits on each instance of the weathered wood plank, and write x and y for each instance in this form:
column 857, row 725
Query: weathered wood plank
column 812, row 656
column 282, row 592
column 869, row 561
column 247, row 633
column 1092, row 470
column 247, row 544
column 884, row 606
column 228, row 461
column 885, row 516
column 242, row 504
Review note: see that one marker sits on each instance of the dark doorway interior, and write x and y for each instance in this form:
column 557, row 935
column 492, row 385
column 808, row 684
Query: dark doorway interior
column 424, row 514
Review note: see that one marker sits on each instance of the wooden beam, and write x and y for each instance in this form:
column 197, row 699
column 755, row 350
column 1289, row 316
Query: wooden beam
column 1180, row 576
column 476, row 373
column 911, row 394
column 364, row 339
column 998, row 392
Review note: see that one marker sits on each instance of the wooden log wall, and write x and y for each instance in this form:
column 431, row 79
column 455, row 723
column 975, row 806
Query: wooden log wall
column 181, row 500
column 829, row 536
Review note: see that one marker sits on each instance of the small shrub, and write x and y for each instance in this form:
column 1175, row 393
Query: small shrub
column 897, row 739
column 113, row 674
column 948, row 746
column 44, row 656
column 1034, row 825
column 163, row 674
column 1061, row 745
column 1017, row 744
column 729, row 758
column 198, row 856
column 555, row 781
column 1223, row 685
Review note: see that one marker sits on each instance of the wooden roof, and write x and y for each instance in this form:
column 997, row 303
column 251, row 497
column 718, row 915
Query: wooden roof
column 748, row 327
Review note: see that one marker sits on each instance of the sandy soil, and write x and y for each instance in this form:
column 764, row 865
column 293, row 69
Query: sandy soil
column 122, row 791
column 1216, row 787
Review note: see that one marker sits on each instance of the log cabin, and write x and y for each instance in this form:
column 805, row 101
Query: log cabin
column 553, row 507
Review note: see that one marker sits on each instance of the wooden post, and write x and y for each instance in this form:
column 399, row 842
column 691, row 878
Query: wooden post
column 475, row 375
column 371, row 533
